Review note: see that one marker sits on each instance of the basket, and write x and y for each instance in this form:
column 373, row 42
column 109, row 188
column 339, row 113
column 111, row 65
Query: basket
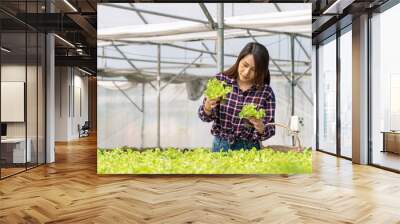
column 284, row 148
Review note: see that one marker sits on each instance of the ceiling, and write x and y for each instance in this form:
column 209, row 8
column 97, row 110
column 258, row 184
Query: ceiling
column 74, row 21
column 330, row 15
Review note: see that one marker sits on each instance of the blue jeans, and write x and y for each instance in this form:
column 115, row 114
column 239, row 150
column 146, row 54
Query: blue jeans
column 219, row 143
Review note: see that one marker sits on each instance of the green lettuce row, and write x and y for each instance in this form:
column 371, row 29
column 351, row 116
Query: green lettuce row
column 250, row 110
column 202, row 161
column 217, row 89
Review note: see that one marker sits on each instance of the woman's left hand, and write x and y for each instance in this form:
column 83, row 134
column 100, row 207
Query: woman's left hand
column 258, row 124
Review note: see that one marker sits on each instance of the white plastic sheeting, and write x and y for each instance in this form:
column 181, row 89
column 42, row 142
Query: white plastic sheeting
column 120, row 122
column 298, row 22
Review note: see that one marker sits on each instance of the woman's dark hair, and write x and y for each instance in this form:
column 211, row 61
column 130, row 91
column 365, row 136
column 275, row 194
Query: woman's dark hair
column 261, row 60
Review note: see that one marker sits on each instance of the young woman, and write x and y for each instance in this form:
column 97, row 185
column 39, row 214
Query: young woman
column 250, row 79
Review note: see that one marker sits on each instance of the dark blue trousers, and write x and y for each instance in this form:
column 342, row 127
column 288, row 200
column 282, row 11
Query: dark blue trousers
column 220, row 143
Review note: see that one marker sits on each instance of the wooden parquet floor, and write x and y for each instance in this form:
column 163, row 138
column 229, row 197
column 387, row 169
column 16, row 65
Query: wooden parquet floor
column 70, row 191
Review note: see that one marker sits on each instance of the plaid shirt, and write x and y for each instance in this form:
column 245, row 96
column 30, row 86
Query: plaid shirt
column 227, row 124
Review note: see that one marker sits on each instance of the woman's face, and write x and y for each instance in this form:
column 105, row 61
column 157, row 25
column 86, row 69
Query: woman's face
column 246, row 69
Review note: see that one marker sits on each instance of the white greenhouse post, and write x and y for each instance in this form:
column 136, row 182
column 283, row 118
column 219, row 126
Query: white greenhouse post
column 158, row 92
column 220, row 36
column 292, row 81
column 143, row 113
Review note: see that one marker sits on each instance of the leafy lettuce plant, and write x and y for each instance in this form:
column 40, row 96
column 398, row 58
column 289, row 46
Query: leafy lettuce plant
column 217, row 89
column 202, row 161
column 250, row 110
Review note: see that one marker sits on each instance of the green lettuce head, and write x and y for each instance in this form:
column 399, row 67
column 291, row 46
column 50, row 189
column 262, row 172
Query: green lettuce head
column 217, row 89
column 250, row 110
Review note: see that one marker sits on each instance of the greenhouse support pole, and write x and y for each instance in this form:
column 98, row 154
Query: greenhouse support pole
column 293, row 83
column 220, row 36
column 158, row 92
column 142, row 133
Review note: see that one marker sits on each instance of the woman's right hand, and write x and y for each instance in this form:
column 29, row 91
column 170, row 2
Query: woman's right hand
column 209, row 105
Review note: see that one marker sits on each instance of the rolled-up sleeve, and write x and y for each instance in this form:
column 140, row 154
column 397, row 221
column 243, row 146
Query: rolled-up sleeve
column 204, row 116
column 269, row 107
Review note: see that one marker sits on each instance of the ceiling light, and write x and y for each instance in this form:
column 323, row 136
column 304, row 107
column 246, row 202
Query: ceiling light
column 338, row 6
column 79, row 51
column 70, row 5
column 64, row 40
column 5, row 50
column 86, row 72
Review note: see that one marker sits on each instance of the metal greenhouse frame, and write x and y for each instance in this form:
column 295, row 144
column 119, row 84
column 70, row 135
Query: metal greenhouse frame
column 218, row 56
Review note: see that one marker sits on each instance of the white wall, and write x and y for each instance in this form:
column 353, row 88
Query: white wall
column 71, row 94
column 33, row 127
column 61, row 103
column 15, row 73
column 79, row 112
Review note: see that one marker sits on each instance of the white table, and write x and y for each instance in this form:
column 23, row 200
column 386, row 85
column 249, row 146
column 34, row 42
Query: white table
column 19, row 149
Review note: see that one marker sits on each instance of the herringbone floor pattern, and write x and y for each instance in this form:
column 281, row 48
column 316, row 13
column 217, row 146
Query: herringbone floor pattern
column 70, row 191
